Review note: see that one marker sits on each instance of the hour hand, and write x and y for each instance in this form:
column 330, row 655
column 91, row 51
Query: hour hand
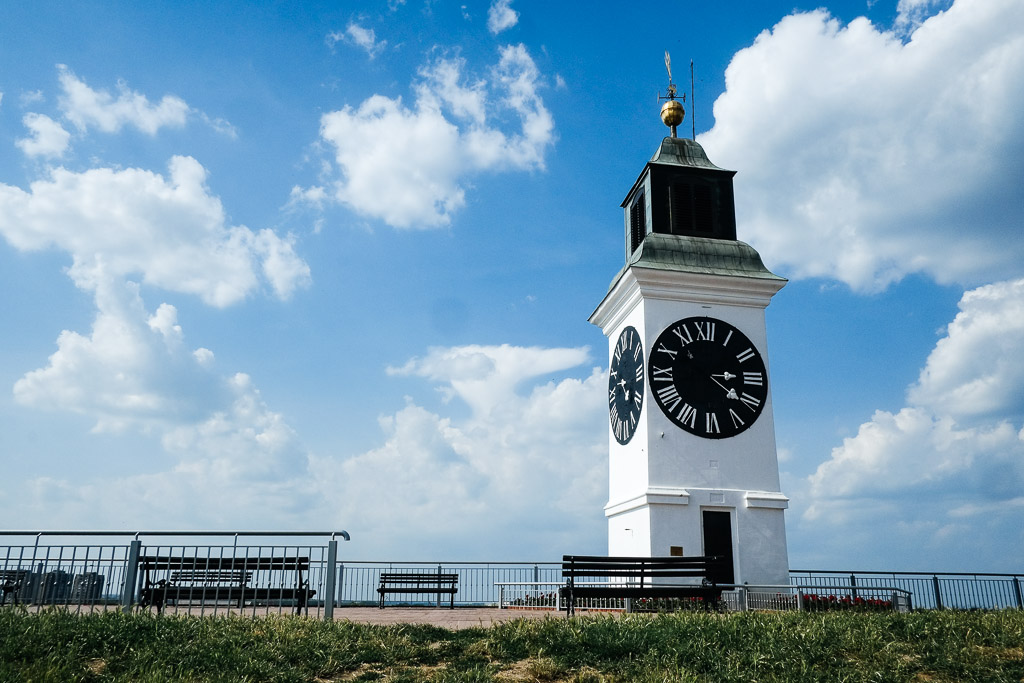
column 729, row 391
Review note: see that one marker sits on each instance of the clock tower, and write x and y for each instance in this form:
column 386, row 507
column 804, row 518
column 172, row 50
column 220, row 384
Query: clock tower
column 693, row 464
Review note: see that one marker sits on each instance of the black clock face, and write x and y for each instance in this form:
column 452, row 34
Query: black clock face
column 626, row 385
column 707, row 377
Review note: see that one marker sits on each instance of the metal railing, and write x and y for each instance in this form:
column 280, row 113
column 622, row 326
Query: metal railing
column 931, row 590
column 187, row 578
column 479, row 582
column 94, row 570
column 735, row 598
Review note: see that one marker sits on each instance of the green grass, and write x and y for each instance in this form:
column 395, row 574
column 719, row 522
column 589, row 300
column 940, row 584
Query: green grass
column 925, row 646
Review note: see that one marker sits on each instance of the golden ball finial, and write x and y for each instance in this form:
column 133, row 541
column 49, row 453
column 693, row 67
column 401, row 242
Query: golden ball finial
column 672, row 113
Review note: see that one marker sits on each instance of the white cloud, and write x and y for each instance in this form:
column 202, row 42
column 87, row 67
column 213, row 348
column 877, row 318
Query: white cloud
column 128, row 222
column 485, row 376
column 976, row 372
column 131, row 372
column 524, row 476
column 48, row 138
column 501, row 16
column 865, row 158
column 912, row 13
column 407, row 166
column 956, row 448
column 85, row 107
column 359, row 36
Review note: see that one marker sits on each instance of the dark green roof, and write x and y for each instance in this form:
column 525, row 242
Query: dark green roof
column 682, row 152
column 699, row 255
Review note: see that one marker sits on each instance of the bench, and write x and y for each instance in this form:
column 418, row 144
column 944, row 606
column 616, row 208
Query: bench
column 11, row 583
column 639, row 577
column 220, row 579
column 432, row 584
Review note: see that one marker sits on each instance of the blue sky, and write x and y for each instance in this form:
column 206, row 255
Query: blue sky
column 329, row 265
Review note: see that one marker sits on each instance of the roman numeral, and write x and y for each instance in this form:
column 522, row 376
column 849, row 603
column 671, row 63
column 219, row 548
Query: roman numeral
column 669, row 397
column 661, row 374
column 639, row 374
column 636, row 354
column 751, row 401
column 638, row 399
column 688, row 415
column 745, row 355
column 711, row 424
column 664, row 349
column 754, row 378
column 684, row 335
column 611, row 396
column 727, row 338
column 737, row 422
column 705, row 330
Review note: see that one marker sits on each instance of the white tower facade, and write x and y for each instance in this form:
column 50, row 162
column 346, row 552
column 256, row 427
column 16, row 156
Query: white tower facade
column 693, row 467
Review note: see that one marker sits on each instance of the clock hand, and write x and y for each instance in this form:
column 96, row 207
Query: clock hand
column 729, row 391
column 726, row 376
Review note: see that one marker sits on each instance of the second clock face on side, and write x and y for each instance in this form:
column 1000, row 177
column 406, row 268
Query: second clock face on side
column 626, row 385
column 707, row 377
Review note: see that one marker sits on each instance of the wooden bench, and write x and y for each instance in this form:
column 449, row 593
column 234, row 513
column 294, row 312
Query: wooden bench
column 412, row 583
column 220, row 579
column 11, row 583
column 639, row 577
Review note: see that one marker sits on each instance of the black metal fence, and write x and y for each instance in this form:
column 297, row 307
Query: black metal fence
column 931, row 590
column 259, row 572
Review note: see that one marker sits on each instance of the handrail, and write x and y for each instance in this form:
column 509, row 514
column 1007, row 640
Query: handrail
column 847, row 572
column 344, row 534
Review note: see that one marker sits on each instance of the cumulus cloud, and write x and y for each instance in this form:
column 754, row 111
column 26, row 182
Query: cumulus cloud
column 498, row 476
column 501, row 16
column 529, row 453
column 48, row 138
column 956, row 449
column 85, row 107
column 865, row 158
column 169, row 230
column 131, row 372
column 408, row 166
column 359, row 36
column 134, row 373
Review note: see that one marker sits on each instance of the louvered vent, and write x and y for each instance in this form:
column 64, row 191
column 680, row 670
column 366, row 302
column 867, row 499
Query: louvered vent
column 692, row 209
column 637, row 222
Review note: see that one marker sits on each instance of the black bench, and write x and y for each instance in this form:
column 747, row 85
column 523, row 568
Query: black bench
column 434, row 584
column 11, row 583
column 639, row 577
column 220, row 579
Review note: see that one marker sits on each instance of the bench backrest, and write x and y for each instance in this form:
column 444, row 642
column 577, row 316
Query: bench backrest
column 209, row 577
column 418, row 579
column 640, row 570
column 13, row 575
column 252, row 564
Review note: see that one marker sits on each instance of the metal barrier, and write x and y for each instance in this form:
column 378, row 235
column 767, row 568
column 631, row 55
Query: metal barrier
column 932, row 590
column 182, row 575
column 736, row 598
column 479, row 582
column 56, row 568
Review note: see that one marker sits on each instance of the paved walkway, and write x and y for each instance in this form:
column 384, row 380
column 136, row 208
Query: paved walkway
column 460, row 617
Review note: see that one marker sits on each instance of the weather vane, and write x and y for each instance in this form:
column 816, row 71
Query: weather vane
column 672, row 111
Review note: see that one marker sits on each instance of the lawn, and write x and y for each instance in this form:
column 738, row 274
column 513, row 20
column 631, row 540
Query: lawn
column 923, row 646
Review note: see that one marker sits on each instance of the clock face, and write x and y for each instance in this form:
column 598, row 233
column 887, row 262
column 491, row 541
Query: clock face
column 707, row 377
column 626, row 385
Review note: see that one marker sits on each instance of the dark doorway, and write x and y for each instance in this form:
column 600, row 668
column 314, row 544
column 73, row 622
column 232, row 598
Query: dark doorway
column 718, row 541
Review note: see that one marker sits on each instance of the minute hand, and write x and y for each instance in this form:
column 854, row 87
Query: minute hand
column 729, row 391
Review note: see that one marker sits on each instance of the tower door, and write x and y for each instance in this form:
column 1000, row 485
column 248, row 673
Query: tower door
column 718, row 541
